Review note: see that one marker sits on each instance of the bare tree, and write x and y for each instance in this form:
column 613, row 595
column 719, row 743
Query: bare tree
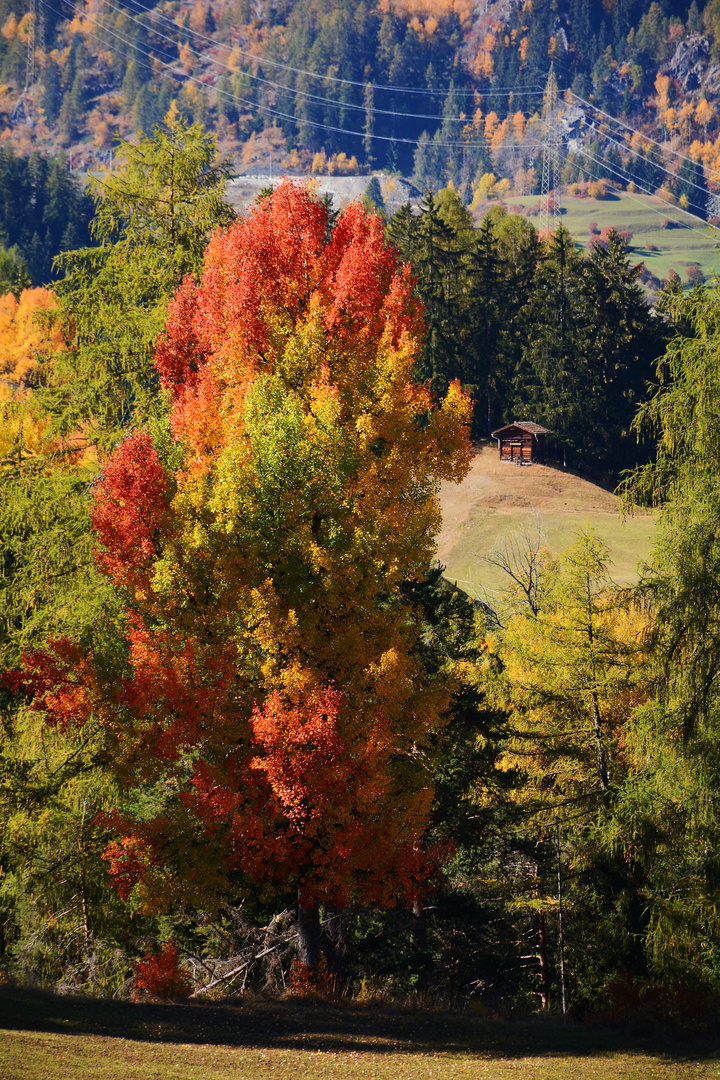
column 522, row 555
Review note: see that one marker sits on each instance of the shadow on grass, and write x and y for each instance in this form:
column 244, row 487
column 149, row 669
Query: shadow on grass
column 298, row 1025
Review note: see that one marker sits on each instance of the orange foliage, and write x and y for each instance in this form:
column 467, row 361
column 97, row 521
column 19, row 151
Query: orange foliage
column 437, row 10
column 187, row 59
column 198, row 17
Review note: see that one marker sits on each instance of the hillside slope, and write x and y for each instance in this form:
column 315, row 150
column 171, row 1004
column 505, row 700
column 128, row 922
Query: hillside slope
column 497, row 498
column 446, row 89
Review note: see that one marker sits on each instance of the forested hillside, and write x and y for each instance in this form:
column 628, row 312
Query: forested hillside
column 439, row 88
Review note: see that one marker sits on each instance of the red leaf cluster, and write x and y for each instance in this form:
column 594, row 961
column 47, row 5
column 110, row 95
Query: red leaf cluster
column 130, row 510
column 125, row 866
column 61, row 680
column 305, row 760
column 160, row 976
column 261, row 278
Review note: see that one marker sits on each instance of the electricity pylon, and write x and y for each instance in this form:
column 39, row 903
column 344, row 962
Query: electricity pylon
column 549, row 203
column 36, row 35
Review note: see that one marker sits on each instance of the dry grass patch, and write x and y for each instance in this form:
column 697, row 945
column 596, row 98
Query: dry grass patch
column 497, row 498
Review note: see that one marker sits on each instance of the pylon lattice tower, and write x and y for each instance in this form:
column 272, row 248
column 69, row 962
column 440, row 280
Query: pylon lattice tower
column 549, row 203
column 37, row 34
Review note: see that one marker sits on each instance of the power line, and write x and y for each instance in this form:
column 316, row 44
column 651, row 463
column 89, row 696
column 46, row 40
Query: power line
column 690, row 183
column 624, row 174
column 650, row 194
column 330, row 102
column 634, row 131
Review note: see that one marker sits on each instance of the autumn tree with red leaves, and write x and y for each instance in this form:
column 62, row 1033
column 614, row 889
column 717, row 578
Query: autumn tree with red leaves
column 271, row 694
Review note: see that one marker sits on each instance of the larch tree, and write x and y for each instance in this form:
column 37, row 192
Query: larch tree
column 271, row 693
column 671, row 813
column 571, row 677
column 570, row 670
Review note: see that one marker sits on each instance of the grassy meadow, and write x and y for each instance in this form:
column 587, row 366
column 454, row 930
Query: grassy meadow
column 498, row 498
column 688, row 241
column 43, row 1036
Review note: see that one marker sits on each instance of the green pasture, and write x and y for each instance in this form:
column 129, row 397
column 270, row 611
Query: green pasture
column 689, row 241
column 629, row 542
column 47, row 1037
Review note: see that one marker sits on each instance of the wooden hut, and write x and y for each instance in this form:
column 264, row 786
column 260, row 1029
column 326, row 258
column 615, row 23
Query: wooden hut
column 521, row 442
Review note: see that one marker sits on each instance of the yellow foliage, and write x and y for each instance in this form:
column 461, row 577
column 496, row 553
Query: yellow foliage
column 24, row 341
column 662, row 87
column 704, row 113
column 485, row 185
column 21, row 433
column 341, row 165
column 10, row 27
column 666, row 195
column 198, row 18
column 319, row 162
column 187, row 59
column 598, row 189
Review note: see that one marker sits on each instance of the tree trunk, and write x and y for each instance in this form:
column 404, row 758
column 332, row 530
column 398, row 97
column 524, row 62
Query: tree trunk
column 419, row 926
column 542, row 945
column 333, row 943
column 601, row 758
column 543, row 957
column 308, row 931
column 419, row 939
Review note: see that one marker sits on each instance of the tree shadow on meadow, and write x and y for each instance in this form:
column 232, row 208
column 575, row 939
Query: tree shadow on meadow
column 303, row 1025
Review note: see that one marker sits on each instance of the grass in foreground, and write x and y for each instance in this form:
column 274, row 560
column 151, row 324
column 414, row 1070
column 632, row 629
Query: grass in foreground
column 43, row 1036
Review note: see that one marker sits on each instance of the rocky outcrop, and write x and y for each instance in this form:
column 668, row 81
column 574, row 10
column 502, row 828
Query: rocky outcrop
column 689, row 64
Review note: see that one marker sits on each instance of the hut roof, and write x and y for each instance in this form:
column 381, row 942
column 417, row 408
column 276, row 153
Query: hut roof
column 526, row 425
